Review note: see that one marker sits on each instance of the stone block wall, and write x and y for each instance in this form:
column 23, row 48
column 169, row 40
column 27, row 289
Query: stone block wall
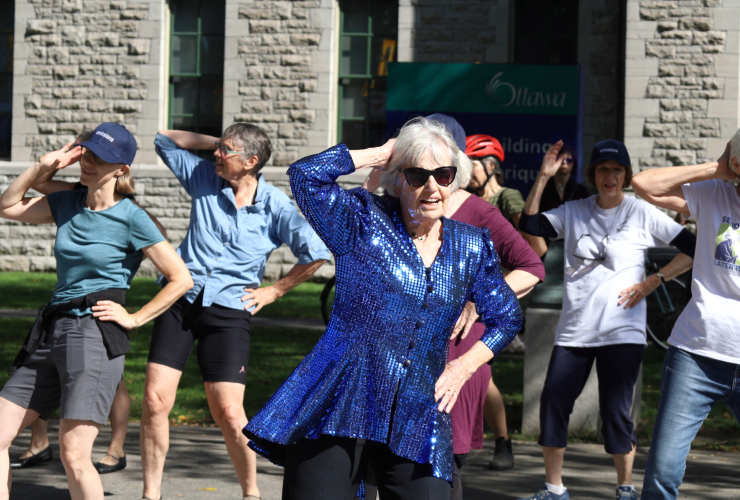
column 78, row 63
column 463, row 31
column 682, row 80
column 280, row 59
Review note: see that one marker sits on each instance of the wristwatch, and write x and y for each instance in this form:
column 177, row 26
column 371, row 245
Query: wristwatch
column 660, row 275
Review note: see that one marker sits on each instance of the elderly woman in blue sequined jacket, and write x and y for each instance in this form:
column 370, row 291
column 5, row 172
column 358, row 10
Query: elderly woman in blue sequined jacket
column 376, row 390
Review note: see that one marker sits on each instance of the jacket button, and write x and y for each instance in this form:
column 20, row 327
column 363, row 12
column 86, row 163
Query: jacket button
column 430, row 288
column 406, row 363
column 419, row 324
column 412, row 344
column 425, row 305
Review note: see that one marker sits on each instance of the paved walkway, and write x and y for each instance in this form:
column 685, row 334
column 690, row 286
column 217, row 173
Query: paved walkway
column 198, row 469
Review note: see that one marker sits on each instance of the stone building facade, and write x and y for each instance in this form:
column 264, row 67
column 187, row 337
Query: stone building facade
column 681, row 103
column 660, row 74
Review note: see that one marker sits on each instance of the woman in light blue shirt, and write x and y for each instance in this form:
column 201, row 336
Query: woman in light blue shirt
column 236, row 221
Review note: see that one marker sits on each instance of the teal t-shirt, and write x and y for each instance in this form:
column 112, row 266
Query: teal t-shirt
column 97, row 250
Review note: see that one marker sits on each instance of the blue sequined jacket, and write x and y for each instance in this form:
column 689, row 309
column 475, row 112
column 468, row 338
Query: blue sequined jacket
column 390, row 325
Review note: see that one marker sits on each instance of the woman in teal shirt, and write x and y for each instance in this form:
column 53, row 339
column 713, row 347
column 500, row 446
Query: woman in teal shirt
column 73, row 357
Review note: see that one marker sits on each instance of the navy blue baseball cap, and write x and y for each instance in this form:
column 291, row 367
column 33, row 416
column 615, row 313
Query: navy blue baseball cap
column 112, row 143
column 456, row 130
column 610, row 150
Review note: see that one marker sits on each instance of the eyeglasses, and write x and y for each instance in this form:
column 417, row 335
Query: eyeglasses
column 417, row 177
column 602, row 251
column 568, row 161
column 89, row 155
column 222, row 149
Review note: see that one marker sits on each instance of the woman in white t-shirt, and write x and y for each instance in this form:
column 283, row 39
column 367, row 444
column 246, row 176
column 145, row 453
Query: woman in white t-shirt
column 603, row 317
column 703, row 361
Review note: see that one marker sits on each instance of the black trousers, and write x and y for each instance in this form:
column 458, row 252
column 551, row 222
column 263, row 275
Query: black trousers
column 331, row 468
column 456, row 493
column 617, row 367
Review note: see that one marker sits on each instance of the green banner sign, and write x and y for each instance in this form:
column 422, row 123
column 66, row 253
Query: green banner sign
column 483, row 88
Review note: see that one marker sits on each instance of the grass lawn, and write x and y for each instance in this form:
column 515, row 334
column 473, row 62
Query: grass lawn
column 32, row 290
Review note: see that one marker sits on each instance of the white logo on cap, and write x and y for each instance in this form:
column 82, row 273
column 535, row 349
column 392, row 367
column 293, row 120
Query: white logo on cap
column 104, row 135
column 608, row 150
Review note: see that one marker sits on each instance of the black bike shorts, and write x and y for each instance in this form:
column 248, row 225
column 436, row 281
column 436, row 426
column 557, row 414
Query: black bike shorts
column 222, row 335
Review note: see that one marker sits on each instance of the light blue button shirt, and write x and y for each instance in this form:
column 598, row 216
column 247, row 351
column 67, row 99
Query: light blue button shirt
column 226, row 249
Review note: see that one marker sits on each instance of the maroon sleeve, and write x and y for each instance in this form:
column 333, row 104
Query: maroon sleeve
column 514, row 251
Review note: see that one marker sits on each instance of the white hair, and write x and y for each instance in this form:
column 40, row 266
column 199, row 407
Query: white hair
column 464, row 170
column 416, row 137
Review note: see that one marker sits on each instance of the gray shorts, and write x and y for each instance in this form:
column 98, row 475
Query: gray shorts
column 70, row 371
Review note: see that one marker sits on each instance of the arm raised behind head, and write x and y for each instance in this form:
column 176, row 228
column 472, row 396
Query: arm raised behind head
column 191, row 140
column 662, row 186
column 13, row 203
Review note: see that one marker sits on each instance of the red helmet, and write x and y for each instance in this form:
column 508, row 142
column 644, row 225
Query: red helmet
column 479, row 145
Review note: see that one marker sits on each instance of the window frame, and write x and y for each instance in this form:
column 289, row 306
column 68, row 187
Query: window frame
column 10, row 33
column 198, row 75
column 367, row 77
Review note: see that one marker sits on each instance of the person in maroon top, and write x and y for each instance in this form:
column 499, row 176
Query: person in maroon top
column 525, row 271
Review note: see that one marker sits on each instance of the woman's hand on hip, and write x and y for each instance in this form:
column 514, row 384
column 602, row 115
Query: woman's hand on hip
column 107, row 310
column 450, row 383
column 632, row 296
column 465, row 322
column 259, row 298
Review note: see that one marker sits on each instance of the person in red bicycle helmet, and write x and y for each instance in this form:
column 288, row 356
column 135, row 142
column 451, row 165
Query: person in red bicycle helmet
column 487, row 181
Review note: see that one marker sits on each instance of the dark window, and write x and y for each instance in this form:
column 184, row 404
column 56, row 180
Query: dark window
column 197, row 66
column 546, row 32
column 7, row 16
column 367, row 43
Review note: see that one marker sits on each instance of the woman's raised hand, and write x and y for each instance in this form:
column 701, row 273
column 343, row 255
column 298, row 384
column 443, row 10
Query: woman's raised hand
column 386, row 152
column 728, row 169
column 378, row 158
column 57, row 160
column 550, row 162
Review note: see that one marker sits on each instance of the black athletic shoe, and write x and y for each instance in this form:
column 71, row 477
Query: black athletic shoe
column 503, row 458
column 44, row 455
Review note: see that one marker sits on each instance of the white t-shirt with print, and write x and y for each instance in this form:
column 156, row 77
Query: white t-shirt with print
column 591, row 315
column 710, row 324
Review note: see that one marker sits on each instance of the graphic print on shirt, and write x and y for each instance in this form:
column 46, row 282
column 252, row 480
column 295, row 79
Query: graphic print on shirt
column 727, row 245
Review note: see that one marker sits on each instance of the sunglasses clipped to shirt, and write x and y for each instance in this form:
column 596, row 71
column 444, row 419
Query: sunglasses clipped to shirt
column 417, row 177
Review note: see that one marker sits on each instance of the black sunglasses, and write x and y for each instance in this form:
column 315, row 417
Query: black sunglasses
column 417, row 177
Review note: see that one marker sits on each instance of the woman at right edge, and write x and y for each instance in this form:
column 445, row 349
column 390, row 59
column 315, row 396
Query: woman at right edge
column 603, row 317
